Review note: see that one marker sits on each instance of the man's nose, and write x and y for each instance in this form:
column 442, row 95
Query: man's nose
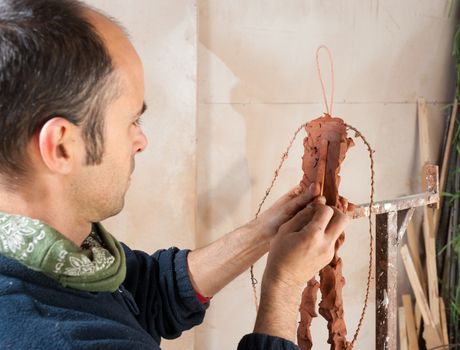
column 141, row 142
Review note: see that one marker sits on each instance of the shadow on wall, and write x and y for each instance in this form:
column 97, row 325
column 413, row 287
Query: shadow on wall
column 256, row 76
column 223, row 197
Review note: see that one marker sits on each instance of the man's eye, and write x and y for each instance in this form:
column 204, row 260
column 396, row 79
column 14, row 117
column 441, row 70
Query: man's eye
column 138, row 122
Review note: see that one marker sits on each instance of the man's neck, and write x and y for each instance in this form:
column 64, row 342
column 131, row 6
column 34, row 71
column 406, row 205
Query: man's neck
column 54, row 212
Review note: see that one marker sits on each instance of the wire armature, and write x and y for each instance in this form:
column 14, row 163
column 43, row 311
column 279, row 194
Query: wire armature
column 284, row 156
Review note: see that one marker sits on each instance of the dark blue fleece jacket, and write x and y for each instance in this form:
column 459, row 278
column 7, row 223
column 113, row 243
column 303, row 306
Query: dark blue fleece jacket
column 155, row 301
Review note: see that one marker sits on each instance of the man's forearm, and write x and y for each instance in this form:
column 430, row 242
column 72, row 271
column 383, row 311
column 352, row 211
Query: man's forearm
column 277, row 314
column 217, row 264
column 214, row 266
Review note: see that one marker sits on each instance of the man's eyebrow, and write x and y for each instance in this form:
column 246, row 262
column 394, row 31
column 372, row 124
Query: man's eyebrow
column 143, row 109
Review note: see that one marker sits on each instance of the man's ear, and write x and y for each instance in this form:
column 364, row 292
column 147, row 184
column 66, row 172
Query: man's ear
column 58, row 145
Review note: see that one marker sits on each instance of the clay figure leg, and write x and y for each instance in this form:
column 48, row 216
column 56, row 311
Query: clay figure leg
column 331, row 306
column 307, row 313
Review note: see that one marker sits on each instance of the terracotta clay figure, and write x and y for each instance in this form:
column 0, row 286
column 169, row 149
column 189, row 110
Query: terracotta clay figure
column 325, row 149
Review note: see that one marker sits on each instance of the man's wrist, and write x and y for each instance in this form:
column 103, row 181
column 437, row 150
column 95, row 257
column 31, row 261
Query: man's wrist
column 277, row 318
column 279, row 305
column 280, row 291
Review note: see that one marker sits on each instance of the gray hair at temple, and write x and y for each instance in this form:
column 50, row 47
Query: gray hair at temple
column 52, row 63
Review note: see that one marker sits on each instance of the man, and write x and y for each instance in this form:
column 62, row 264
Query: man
column 71, row 94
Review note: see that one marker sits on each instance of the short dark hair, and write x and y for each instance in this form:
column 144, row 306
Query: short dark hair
column 52, row 63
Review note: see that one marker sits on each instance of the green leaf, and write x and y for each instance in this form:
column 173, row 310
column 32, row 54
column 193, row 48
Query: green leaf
column 451, row 7
column 454, row 242
column 457, row 132
column 446, row 194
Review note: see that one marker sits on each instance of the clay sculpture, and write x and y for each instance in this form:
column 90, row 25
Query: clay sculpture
column 325, row 149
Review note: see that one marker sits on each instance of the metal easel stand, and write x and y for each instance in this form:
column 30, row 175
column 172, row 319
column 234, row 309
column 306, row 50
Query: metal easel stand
column 392, row 218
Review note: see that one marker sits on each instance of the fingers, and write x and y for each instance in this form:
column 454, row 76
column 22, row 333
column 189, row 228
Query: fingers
column 314, row 189
column 343, row 204
column 300, row 201
column 321, row 217
column 303, row 217
column 337, row 224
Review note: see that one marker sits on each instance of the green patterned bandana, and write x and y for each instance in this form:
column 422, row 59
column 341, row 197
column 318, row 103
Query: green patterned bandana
column 99, row 265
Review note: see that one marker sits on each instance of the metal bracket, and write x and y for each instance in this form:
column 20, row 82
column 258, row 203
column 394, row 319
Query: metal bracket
column 392, row 218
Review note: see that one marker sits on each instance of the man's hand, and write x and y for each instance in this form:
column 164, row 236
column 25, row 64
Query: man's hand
column 284, row 209
column 214, row 266
column 302, row 247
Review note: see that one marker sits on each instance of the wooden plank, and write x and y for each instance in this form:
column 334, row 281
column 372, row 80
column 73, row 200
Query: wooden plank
column 445, row 333
column 402, row 329
column 410, row 323
column 428, row 229
column 432, row 337
column 413, row 241
column 423, row 129
column 386, row 281
column 424, row 149
column 406, row 219
column 422, row 302
column 446, row 156
column 432, row 272
column 418, row 318
column 431, row 333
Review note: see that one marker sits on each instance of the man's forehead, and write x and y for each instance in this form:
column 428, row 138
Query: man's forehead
column 125, row 58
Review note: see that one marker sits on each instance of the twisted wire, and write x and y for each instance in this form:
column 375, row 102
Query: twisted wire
column 371, row 238
column 284, row 156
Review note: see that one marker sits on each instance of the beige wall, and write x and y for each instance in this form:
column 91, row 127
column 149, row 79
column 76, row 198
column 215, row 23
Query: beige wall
column 215, row 140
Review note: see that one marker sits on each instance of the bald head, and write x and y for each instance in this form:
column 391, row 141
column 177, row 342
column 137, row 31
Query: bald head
column 128, row 65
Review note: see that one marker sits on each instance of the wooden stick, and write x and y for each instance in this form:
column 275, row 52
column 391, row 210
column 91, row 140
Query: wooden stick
column 445, row 162
column 418, row 318
column 430, row 251
column 410, row 322
column 432, row 337
column 322, row 162
column 413, row 241
column 431, row 334
column 445, row 334
column 424, row 145
column 428, row 229
column 402, row 329
column 422, row 302
column 424, row 136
